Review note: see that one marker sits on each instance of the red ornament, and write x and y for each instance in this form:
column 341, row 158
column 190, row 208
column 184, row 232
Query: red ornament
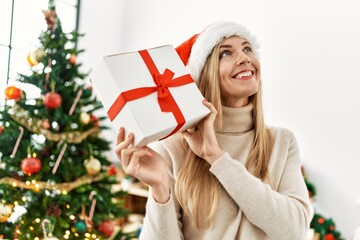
column 331, row 227
column 1, row 129
column 107, row 227
column 30, row 165
column 329, row 236
column 45, row 124
column 94, row 120
column 52, row 100
column 13, row 92
column 111, row 171
column 321, row 220
column 310, row 194
column 72, row 59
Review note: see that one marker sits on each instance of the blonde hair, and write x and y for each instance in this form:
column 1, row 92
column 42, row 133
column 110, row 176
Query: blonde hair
column 196, row 188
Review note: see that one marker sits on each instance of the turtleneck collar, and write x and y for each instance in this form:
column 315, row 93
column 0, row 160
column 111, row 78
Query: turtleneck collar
column 237, row 120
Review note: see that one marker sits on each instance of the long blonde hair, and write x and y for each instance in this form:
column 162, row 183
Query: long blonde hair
column 196, row 188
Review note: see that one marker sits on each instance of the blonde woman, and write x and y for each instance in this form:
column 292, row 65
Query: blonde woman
column 232, row 177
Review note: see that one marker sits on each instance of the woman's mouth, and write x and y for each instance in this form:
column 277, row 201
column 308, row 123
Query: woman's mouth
column 244, row 75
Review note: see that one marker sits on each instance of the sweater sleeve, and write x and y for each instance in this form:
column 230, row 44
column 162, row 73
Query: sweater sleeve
column 283, row 213
column 163, row 221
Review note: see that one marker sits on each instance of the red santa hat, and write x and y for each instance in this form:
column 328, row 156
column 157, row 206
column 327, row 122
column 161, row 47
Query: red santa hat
column 194, row 51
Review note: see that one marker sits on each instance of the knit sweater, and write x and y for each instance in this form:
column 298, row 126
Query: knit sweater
column 248, row 208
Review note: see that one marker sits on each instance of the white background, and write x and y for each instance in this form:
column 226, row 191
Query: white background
column 310, row 53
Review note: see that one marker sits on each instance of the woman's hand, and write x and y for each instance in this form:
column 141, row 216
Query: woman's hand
column 203, row 141
column 144, row 164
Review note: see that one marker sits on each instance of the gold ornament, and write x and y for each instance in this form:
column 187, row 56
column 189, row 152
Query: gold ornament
column 35, row 57
column 84, row 118
column 39, row 54
column 92, row 165
column 5, row 211
column 31, row 60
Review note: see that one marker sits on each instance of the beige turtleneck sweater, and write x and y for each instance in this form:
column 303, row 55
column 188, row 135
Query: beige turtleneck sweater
column 277, row 208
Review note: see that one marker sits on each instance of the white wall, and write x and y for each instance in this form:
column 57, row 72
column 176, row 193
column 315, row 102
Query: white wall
column 310, row 60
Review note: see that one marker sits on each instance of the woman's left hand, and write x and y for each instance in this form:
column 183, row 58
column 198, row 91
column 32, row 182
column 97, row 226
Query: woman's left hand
column 203, row 141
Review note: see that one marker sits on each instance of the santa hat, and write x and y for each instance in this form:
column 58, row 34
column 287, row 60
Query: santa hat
column 194, row 51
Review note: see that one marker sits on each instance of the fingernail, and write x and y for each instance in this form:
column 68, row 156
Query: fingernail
column 129, row 136
column 204, row 100
column 121, row 128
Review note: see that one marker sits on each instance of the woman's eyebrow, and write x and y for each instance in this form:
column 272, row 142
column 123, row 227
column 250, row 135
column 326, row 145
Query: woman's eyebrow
column 230, row 46
column 226, row 46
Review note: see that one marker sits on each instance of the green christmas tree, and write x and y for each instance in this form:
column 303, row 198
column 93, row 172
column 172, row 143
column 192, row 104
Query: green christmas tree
column 53, row 160
column 324, row 228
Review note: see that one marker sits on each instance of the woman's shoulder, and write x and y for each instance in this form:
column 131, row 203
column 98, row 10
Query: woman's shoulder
column 282, row 133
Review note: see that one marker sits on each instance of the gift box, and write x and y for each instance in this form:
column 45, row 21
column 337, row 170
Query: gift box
column 149, row 93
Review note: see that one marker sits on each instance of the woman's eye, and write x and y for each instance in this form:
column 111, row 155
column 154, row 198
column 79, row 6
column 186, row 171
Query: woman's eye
column 225, row 53
column 247, row 49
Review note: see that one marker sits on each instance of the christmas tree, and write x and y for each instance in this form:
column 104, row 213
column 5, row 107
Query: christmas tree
column 53, row 162
column 324, row 228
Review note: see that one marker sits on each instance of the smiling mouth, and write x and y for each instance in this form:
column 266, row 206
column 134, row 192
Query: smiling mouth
column 244, row 75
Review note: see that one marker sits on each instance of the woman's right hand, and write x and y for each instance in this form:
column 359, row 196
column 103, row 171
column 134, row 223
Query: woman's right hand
column 144, row 164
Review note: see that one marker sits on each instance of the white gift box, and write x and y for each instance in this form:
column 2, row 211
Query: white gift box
column 129, row 84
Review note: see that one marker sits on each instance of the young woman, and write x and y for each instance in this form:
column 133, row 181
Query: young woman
column 232, row 177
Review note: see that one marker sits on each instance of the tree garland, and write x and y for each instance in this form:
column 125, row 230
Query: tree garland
column 22, row 116
column 63, row 187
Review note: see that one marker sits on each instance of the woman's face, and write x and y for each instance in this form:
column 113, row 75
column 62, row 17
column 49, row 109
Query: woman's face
column 239, row 72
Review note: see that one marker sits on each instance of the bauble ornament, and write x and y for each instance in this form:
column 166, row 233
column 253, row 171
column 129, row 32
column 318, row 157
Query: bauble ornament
column 107, row 227
column 31, row 60
column 54, row 210
column 45, row 124
column 92, row 165
column 111, row 171
column 5, row 212
column 94, row 120
column 87, row 92
column 39, row 54
column 35, row 57
column 30, row 165
column 80, row 226
column 321, row 220
column 72, row 59
column 52, row 100
column 13, row 93
column 46, row 151
column 84, row 118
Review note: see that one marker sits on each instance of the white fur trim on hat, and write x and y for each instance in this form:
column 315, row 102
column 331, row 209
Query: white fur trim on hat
column 211, row 36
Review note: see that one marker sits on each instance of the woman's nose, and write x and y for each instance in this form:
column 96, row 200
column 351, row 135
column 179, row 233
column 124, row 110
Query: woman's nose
column 242, row 58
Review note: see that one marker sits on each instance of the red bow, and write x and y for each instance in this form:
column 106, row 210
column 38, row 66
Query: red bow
column 163, row 81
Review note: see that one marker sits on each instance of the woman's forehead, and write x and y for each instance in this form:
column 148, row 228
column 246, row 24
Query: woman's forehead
column 233, row 40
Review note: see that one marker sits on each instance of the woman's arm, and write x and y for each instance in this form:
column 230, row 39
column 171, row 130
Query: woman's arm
column 284, row 213
column 145, row 164
column 163, row 220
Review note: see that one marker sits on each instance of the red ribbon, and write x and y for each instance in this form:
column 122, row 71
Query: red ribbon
column 163, row 81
